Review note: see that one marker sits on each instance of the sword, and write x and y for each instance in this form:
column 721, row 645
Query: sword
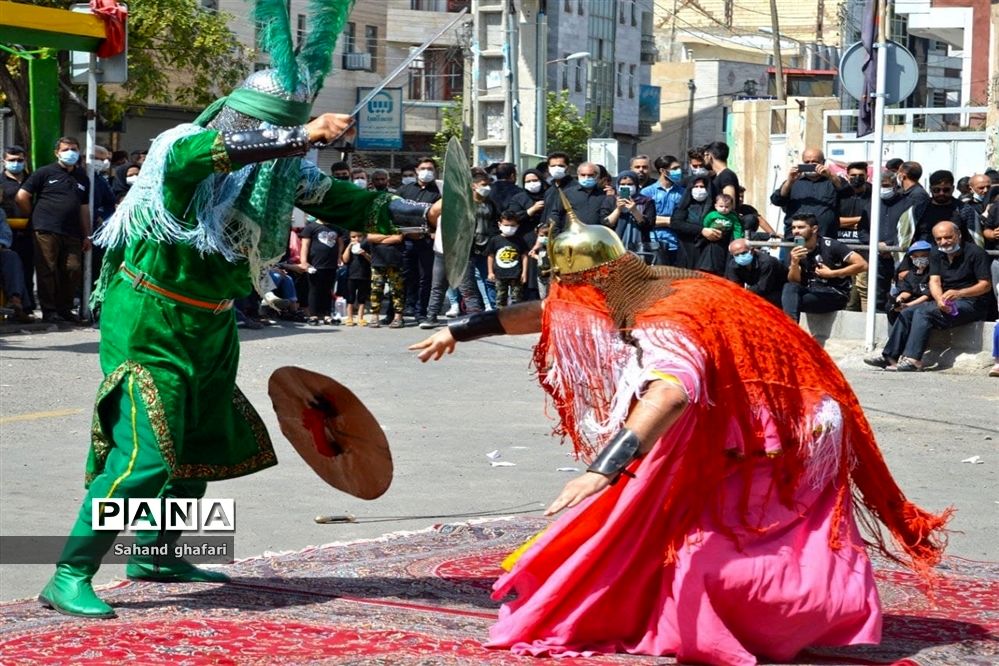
column 403, row 66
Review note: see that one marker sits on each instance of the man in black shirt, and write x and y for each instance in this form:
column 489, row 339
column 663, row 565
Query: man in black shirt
column 815, row 191
column 819, row 270
column 590, row 203
column 756, row 270
column 505, row 187
column 944, row 207
column 56, row 196
column 959, row 285
column 418, row 249
column 716, row 159
column 12, row 174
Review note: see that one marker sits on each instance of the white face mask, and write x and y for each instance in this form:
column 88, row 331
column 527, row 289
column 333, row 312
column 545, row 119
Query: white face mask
column 408, row 180
column 699, row 193
column 131, row 179
column 425, row 175
column 483, row 190
column 102, row 165
column 557, row 172
column 533, row 187
column 508, row 229
column 920, row 262
column 887, row 192
column 361, row 182
column 977, row 197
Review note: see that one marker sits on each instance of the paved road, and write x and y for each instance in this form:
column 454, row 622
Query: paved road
column 441, row 419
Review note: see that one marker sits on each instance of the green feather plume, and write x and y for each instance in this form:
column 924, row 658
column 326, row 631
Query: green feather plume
column 275, row 38
column 327, row 18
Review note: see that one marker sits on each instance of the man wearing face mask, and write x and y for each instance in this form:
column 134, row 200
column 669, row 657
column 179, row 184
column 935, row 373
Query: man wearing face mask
column 665, row 193
column 104, row 204
column 756, row 270
column 359, row 177
column 695, row 165
column 12, row 175
column 959, row 287
column 56, row 196
column 418, row 248
column 811, row 189
column 979, row 184
column 586, row 197
column 339, row 171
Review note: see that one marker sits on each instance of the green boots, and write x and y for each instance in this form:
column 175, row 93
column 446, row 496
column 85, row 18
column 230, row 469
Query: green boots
column 69, row 592
column 172, row 571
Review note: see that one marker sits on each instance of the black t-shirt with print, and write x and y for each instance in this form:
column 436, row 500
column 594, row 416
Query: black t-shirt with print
column 58, row 195
column 831, row 253
column 359, row 265
column 507, row 253
column 323, row 246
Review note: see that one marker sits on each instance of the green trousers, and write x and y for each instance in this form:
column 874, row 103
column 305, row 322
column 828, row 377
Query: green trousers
column 134, row 468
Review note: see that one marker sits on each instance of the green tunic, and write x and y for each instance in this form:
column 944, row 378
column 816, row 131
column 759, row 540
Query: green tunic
column 184, row 358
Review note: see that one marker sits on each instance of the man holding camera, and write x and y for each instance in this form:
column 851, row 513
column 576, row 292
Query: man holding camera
column 812, row 189
column 819, row 270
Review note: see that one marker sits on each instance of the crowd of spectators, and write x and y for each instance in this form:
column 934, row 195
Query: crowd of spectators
column 933, row 265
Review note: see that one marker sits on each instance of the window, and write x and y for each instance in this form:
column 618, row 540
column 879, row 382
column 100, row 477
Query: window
column 568, row 6
column 210, row 5
column 579, row 8
column 620, row 13
column 371, row 43
column 579, row 76
column 620, row 78
column 631, row 81
column 299, row 29
column 417, row 77
column 350, row 38
column 564, row 69
column 634, row 13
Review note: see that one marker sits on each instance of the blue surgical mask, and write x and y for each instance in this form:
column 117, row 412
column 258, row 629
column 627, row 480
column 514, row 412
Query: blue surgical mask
column 14, row 167
column 887, row 192
column 69, row 157
column 675, row 175
column 743, row 259
column 587, row 182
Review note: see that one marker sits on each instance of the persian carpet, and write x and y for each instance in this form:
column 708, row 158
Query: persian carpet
column 423, row 598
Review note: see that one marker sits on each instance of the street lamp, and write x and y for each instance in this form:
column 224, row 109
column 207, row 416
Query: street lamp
column 541, row 103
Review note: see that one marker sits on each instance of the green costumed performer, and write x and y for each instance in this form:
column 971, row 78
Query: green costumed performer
column 210, row 211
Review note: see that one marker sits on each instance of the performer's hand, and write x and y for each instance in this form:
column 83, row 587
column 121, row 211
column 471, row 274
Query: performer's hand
column 435, row 346
column 434, row 214
column 577, row 490
column 329, row 127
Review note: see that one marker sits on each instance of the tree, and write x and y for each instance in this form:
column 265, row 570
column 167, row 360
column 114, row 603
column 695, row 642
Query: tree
column 178, row 53
column 451, row 125
column 567, row 130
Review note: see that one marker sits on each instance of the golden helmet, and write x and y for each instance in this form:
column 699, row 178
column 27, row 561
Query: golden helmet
column 581, row 246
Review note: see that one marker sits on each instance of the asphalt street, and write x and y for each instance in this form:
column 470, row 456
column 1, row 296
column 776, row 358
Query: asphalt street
column 442, row 421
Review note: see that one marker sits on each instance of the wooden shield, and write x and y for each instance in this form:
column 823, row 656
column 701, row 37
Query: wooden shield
column 332, row 430
column 457, row 221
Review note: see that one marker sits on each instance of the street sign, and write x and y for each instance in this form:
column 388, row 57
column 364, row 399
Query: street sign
column 109, row 70
column 900, row 80
column 379, row 122
column 603, row 151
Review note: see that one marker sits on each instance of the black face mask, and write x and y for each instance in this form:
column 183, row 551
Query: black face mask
column 341, row 177
column 857, row 181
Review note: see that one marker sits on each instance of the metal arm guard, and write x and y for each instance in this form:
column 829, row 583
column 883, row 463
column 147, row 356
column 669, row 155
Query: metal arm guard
column 478, row 325
column 407, row 213
column 260, row 145
column 616, row 455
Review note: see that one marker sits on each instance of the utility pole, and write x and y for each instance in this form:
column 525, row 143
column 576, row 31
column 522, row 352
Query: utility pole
column 778, row 65
column 692, row 87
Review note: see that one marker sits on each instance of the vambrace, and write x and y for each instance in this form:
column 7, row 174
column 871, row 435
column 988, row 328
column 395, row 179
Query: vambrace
column 407, row 213
column 616, row 455
column 475, row 326
column 260, row 145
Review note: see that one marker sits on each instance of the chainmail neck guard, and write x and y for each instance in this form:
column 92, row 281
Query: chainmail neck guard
column 629, row 285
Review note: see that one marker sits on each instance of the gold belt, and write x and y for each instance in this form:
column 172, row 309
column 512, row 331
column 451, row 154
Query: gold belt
column 142, row 280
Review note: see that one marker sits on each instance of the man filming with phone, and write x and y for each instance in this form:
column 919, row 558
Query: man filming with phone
column 819, row 270
column 812, row 189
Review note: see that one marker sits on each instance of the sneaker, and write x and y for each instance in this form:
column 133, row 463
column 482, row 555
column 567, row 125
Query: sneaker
column 994, row 372
column 429, row 323
column 276, row 302
column 397, row 323
column 908, row 365
column 879, row 361
column 453, row 312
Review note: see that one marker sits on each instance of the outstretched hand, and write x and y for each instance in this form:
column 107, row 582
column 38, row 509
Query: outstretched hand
column 329, row 127
column 577, row 490
column 435, row 346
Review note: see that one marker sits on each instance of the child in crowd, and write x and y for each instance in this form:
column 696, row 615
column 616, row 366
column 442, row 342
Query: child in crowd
column 357, row 257
column 386, row 269
column 322, row 245
column 724, row 218
column 721, row 227
column 914, row 286
column 540, row 254
column 506, row 257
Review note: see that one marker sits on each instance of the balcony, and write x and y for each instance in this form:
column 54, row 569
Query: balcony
column 357, row 61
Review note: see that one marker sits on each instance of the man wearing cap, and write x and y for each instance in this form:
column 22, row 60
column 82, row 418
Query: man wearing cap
column 715, row 518
column 209, row 213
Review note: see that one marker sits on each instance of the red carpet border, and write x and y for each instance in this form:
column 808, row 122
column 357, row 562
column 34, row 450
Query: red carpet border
column 423, row 598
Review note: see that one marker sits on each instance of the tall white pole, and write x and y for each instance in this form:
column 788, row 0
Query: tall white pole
column 541, row 91
column 877, row 162
column 92, row 175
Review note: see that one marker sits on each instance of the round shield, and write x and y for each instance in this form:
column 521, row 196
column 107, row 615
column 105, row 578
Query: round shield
column 457, row 221
column 332, row 430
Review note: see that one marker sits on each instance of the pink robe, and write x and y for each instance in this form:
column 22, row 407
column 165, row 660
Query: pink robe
column 775, row 592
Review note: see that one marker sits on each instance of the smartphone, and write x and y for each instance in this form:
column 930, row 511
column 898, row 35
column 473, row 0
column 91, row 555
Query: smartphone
column 806, row 168
column 625, row 191
column 799, row 241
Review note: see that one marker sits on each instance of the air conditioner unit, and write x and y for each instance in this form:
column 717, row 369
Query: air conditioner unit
column 359, row 61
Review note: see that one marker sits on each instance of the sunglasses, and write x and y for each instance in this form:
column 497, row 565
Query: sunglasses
column 941, row 190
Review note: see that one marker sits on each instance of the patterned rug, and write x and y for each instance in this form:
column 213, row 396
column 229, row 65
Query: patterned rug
column 423, row 598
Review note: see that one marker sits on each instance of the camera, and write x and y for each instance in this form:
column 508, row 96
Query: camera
column 806, row 168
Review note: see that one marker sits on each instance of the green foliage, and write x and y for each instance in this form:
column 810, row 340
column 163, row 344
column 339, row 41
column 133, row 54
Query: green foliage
column 451, row 125
column 567, row 130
